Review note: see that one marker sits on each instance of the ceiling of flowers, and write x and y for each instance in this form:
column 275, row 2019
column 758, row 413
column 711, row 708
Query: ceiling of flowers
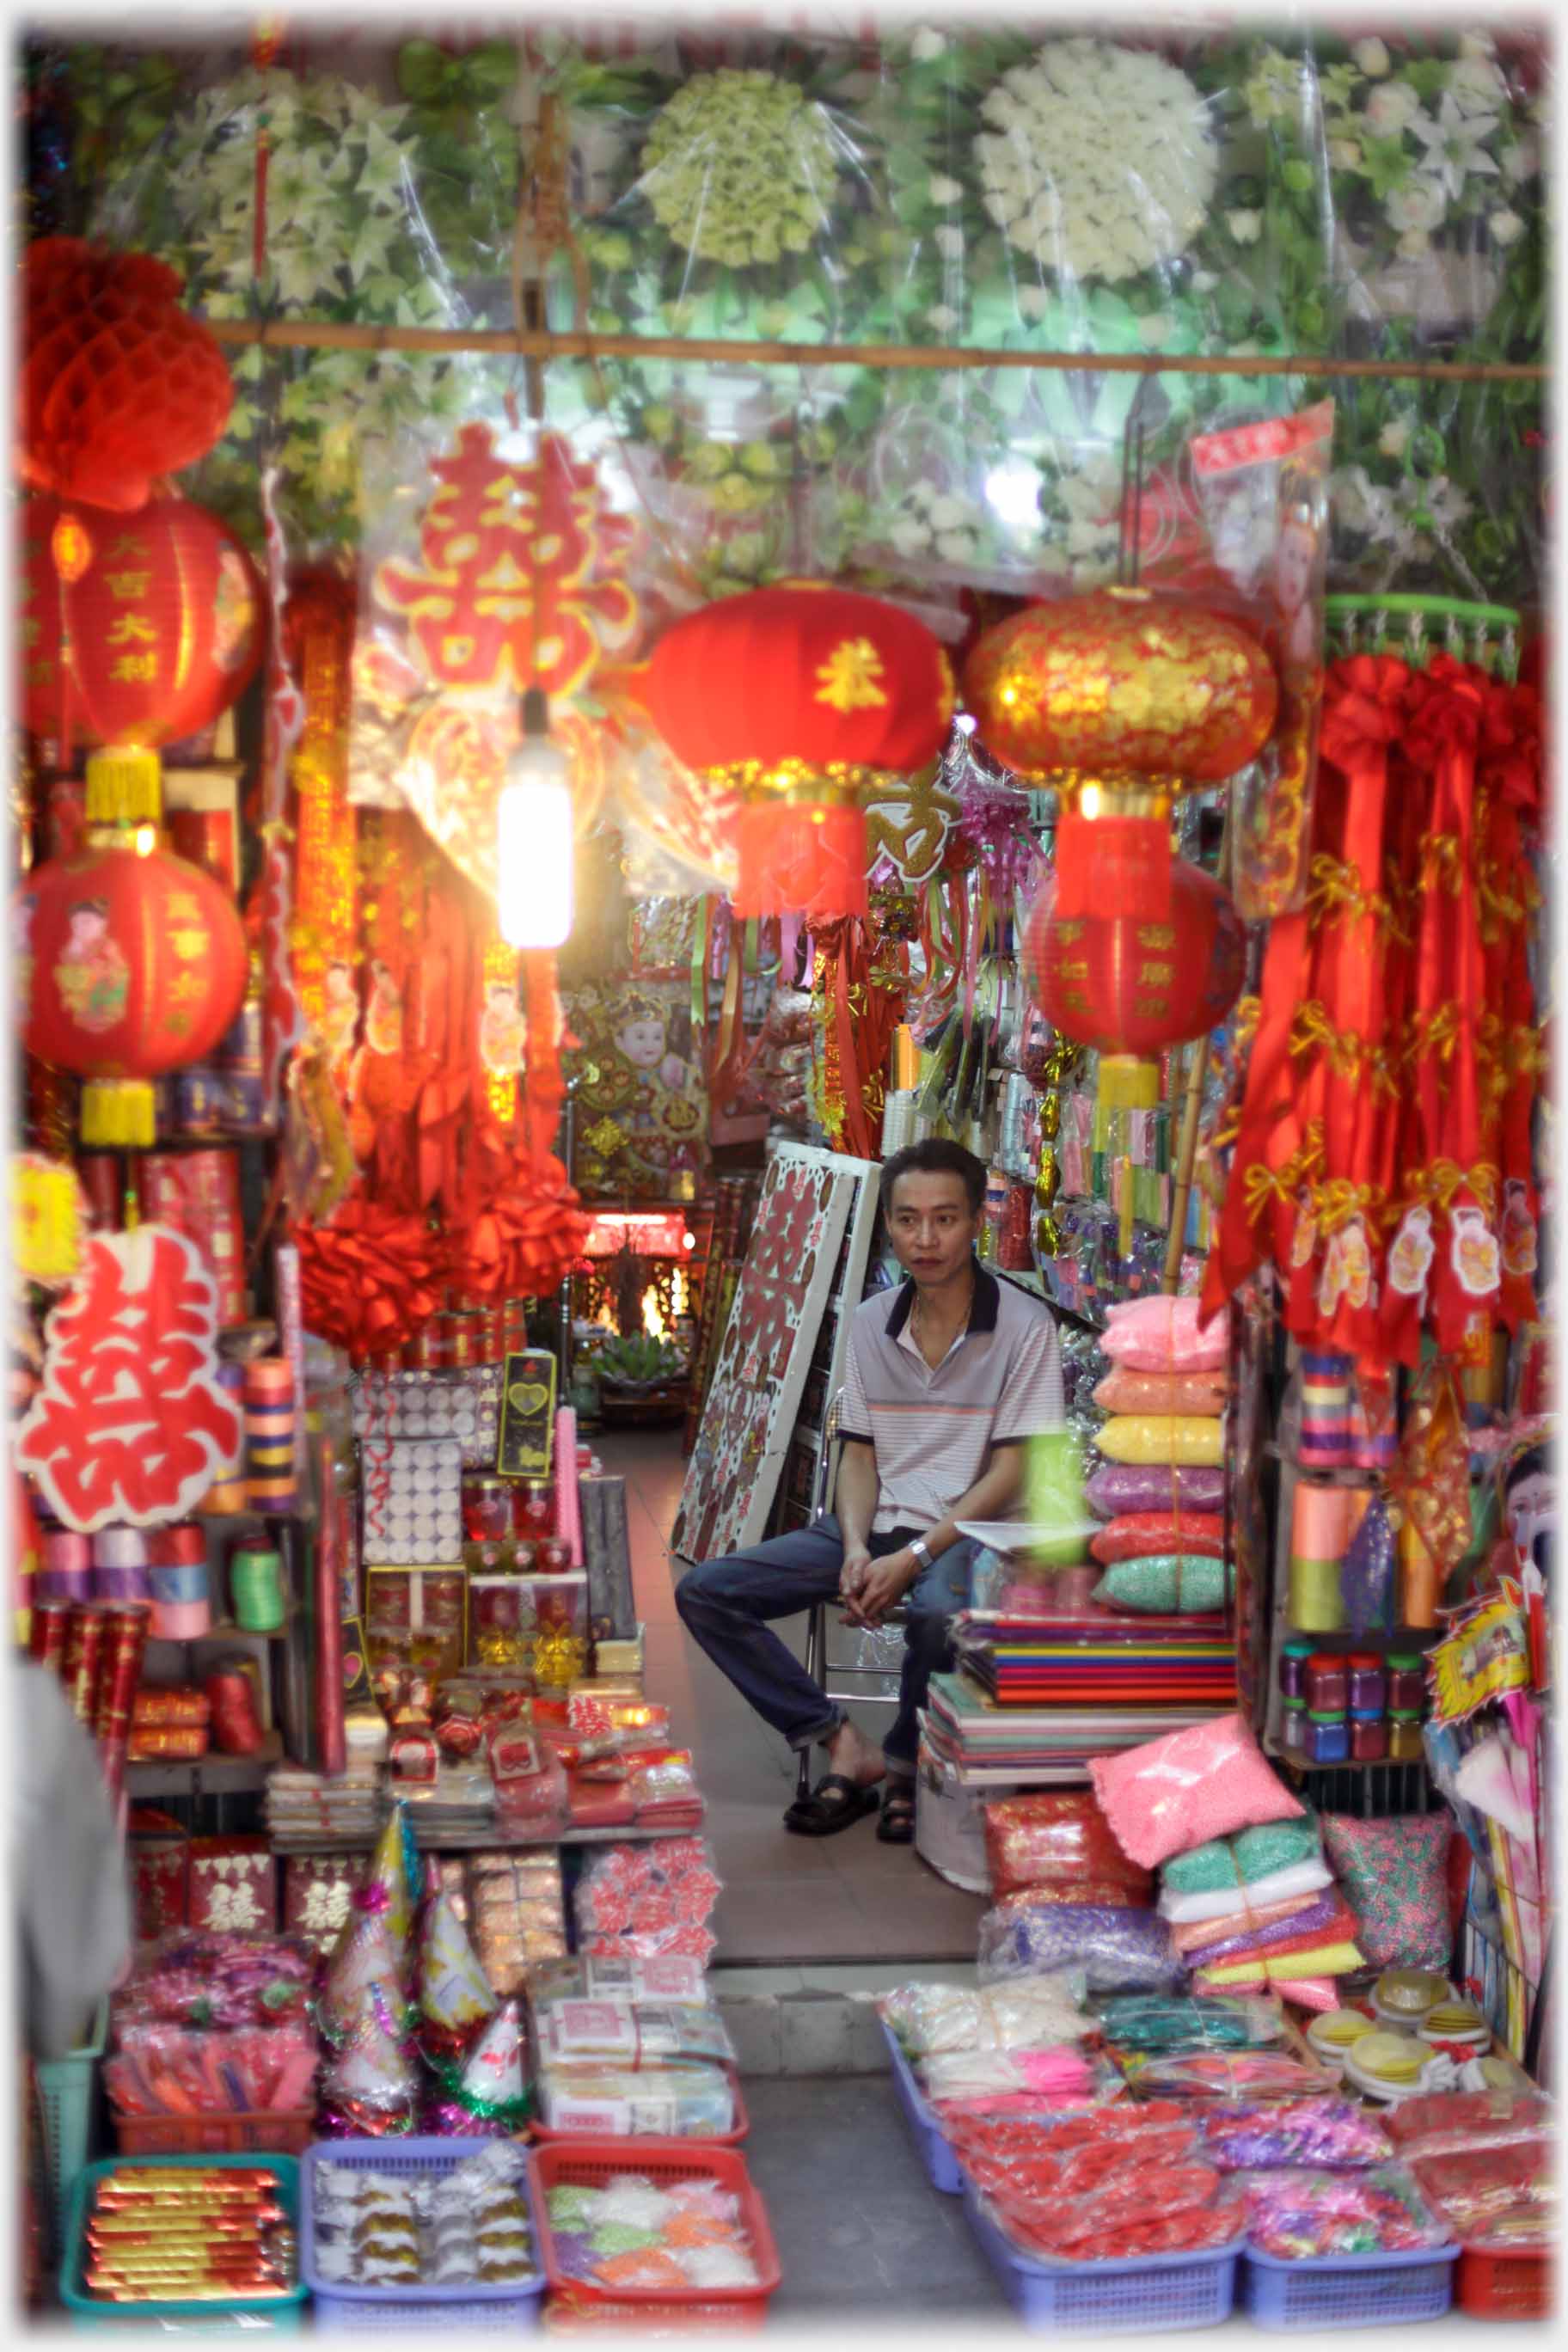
column 1016, row 189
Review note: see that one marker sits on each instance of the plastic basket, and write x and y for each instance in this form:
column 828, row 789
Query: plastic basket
column 545, row 2135
column 282, row 2313
column 1493, row 2286
column 65, row 2100
column 263, row 2133
column 1347, row 2290
column 363, row 2309
column 1136, row 2296
column 936, row 2148
column 594, row 2164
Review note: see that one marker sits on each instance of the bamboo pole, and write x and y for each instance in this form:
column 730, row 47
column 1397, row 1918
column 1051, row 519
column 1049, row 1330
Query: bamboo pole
column 1192, row 1111
column 339, row 335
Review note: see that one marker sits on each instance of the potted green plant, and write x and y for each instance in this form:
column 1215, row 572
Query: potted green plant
column 641, row 1381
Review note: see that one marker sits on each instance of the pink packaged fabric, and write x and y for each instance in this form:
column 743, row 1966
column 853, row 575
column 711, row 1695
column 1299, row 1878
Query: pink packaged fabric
column 1161, row 1335
column 1179, row 1791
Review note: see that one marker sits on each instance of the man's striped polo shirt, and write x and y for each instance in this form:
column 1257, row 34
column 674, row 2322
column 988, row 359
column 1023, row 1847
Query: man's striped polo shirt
column 1000, row 1383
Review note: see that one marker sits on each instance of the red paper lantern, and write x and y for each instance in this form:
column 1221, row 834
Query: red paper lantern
column 128, row 965
column 1129, row 986
column 118, row 384
column 801, row 698
column 135, row 628
column 1121, row 699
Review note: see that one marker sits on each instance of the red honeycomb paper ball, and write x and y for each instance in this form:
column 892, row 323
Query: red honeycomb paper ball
column 119, row 386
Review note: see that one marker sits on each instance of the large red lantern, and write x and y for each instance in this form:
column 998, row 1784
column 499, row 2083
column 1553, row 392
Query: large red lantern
column 137, row 628
column 119, row 386
column 1128, row 984
column 1123, row 701
column 128, row 962
column 802, row 700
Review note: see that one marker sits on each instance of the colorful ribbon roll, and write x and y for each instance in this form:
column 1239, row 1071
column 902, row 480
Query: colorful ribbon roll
column 1326, row 1433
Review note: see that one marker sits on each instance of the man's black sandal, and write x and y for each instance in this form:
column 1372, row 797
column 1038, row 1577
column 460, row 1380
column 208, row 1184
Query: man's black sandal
column 833, row 1805
column 897, row 1826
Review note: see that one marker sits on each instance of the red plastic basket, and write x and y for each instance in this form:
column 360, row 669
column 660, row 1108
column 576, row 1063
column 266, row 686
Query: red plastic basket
column 544, row 2136
column 596, row 2164
column 267, row 2133
column 1505, row 2286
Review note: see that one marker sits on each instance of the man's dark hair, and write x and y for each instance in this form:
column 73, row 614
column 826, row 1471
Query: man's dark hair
column 935, row 1157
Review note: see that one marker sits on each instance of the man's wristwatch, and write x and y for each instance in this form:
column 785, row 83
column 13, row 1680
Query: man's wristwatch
column 922, row 1550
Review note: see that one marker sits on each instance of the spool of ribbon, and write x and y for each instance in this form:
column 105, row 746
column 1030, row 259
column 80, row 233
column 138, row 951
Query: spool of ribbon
column 1325, row 1439
column 178, row 1581
column 120, row 1547
column 128, row 1583
column 1320, row 1531
column 255, row 1583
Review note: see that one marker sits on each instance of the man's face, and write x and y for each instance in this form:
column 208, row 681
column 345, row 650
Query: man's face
column 931, row 1226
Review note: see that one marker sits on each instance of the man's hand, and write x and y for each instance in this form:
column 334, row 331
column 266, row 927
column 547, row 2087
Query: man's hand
column 884, row 1584
column 857, row 1567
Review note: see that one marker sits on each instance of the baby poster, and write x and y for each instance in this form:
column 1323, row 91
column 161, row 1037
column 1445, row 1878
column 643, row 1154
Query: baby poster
column 642, row 1104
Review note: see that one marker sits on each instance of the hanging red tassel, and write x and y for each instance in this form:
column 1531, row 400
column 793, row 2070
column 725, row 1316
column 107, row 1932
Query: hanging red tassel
column 800, row 857
column 1119, row 861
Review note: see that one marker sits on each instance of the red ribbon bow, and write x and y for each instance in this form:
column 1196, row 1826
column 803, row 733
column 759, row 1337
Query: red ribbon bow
column 372, row 1279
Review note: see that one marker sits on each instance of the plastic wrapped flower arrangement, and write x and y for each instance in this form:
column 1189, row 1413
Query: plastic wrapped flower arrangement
column 1097, row 163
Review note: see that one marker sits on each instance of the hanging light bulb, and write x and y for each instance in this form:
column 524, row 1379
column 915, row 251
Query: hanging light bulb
column 535, row 835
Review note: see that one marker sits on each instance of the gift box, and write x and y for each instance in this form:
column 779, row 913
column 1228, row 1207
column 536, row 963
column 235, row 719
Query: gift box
column 201, row 817
column 317, row 1891
column 411, row 1502
column 518, row 1916
column 197, row 1193
column 159, row 1852
column 234, row 1886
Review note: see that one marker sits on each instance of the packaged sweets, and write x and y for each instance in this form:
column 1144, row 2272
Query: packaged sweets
column 1245, row 2134
column 636, row 2233
column 468, row 2226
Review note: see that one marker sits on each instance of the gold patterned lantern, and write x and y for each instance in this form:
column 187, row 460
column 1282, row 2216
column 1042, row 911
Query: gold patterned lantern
column 1121, row 700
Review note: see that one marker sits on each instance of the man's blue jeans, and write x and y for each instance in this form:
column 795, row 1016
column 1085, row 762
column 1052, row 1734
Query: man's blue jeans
column 726, row 1605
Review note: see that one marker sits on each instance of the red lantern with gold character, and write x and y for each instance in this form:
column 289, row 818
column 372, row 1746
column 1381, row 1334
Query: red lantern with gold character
column 128, row 962
column 135, row 628
column 1123, row 701
column 804, row 699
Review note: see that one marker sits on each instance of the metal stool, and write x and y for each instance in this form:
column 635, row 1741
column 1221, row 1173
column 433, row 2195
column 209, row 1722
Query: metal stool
column 816, row 1616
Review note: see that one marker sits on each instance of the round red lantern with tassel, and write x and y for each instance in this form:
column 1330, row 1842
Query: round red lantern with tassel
column 801, row 698
column 129, row 963
column 119, row 386
column 1121, row 699
column 136, row 628
column 1131, row 985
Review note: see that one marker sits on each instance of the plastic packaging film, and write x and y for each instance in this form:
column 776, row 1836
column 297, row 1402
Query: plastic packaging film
column 1166, row 1796
column 1056, row 1837
column 1119, row 1950
column 1306, row 193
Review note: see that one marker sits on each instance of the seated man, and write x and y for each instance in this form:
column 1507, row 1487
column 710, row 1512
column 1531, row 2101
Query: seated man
column 949, row 1377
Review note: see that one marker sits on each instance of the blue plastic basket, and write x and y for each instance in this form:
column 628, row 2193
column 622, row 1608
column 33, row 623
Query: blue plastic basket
column 936, row 2148
column 364, row 2309
column 281, row 2314
column 1347, row 2290
column 1143, row 2294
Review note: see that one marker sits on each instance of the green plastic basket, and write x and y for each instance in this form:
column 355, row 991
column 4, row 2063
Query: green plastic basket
column 1416, row 627
column 65, row 2088
column 281, row 2314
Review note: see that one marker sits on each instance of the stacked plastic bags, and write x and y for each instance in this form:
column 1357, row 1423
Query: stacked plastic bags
column 625, row 2047
column 1160, row 1488
column 1244, row 1888
column 1070, row 1898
